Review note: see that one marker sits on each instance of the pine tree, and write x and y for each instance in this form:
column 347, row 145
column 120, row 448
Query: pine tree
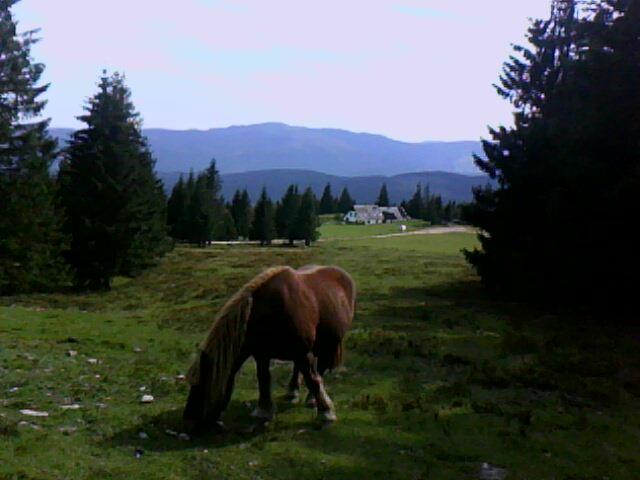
column 345, row 203
column 114, row 202
column 567, row 173
column 200, row 212
column 31, row 241
column 241, row 211
column 383, row 197
column 228, row 227
column 327, row 202
column 177, row 209
column 263, row 225
column 415, row 207
column 306, row 222
column 287, row 212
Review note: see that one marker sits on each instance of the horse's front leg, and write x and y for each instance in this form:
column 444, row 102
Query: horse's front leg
column 293, row 389
column 264, row 410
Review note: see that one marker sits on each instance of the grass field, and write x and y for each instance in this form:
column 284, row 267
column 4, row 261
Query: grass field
column 439, row 379
column 332, row 230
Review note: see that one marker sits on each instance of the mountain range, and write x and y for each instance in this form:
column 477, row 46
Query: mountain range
column 270, row 146
column 275, row 155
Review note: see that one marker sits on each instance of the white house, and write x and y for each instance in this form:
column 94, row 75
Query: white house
column 373, row 214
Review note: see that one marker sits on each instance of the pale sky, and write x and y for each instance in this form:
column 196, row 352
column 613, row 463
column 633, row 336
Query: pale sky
column 413, row 70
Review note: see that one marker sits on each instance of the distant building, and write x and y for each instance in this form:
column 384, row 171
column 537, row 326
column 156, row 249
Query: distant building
column 373, row 214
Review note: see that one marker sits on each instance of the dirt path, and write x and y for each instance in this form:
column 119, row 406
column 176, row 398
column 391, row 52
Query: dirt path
column 423, row 231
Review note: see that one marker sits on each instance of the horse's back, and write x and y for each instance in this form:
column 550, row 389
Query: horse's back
column 334, row 290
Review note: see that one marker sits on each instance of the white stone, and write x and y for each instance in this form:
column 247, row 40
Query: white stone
column 143, row 435
column 92, row 361
column 147, row 399
column 34, row 413
column 73, row 406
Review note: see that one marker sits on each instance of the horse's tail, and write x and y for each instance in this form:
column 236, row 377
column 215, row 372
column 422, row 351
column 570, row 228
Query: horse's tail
column 336, row 359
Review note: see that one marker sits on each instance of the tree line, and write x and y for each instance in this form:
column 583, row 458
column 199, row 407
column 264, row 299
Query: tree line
column 293, row 217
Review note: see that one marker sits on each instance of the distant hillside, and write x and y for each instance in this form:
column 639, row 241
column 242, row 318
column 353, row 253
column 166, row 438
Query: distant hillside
column 277, row 146
column 451, row 186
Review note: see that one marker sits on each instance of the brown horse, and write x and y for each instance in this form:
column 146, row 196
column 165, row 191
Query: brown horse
column 299, row 315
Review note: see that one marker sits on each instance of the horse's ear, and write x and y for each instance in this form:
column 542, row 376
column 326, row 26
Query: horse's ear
column 193, row 374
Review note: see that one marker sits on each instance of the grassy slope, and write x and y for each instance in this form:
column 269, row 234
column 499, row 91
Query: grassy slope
column 332, row 230
column 438, row 378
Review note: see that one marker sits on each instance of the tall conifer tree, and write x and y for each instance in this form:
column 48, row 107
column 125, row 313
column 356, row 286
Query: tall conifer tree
column 306, row 220
column 31, row 241
column 327, row 202
column 383, row 196
column 263, row 225
column 287, row 212
column 345, row 203
column 241, row 212
column 114, row 202
column 568, row 172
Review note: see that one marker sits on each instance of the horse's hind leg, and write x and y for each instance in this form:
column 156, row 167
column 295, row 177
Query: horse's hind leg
column 313, row 380
column 310, row 401
column 293, row 389
column 264, row 410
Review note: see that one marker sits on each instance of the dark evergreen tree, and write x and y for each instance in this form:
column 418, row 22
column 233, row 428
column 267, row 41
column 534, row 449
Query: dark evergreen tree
column 200, row 212
column 114, row 202
column 242, row 212
column 568, row 171
column 177, row 209
column 383, row 197
column 345, row 203
column 415, row 206
column 31, row 241
column 287, row 212
column 228, row 227
column 327, row 202
column 306, row 220
column 263, row 225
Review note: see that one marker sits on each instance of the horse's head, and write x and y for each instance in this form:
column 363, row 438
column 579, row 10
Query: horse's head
column 200, row 411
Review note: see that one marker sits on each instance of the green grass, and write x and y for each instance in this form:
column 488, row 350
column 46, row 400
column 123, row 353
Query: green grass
column 438, row 379
column 332, row 230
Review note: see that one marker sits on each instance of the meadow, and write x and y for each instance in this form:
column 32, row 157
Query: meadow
column 440, row 380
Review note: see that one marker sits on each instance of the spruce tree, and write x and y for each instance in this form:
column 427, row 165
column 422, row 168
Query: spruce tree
column 31, row 241
column 287, row 212
column 567, row 173
column 177, row 209
column 114, row 202
column 383, row 197
column 415, row 207
column 228, row 227
column 263, row 225
column 306, row 221
column 200, row 212
column 327, row 202
column 345, row 203
column 241, row 211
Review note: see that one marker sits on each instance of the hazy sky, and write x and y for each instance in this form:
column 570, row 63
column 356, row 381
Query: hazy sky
column 411, row 69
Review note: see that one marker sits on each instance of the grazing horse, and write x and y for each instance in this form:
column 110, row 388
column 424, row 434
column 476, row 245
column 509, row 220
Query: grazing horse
column 286, row 314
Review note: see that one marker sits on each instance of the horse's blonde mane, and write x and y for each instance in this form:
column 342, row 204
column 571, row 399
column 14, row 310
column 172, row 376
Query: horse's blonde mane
column 226, row 336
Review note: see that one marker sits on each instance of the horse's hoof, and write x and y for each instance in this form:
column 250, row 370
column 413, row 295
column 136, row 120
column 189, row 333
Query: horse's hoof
column 293, row 397
column 262, row 414
column 327, row 416
column 220, row 427
column 325, row 419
